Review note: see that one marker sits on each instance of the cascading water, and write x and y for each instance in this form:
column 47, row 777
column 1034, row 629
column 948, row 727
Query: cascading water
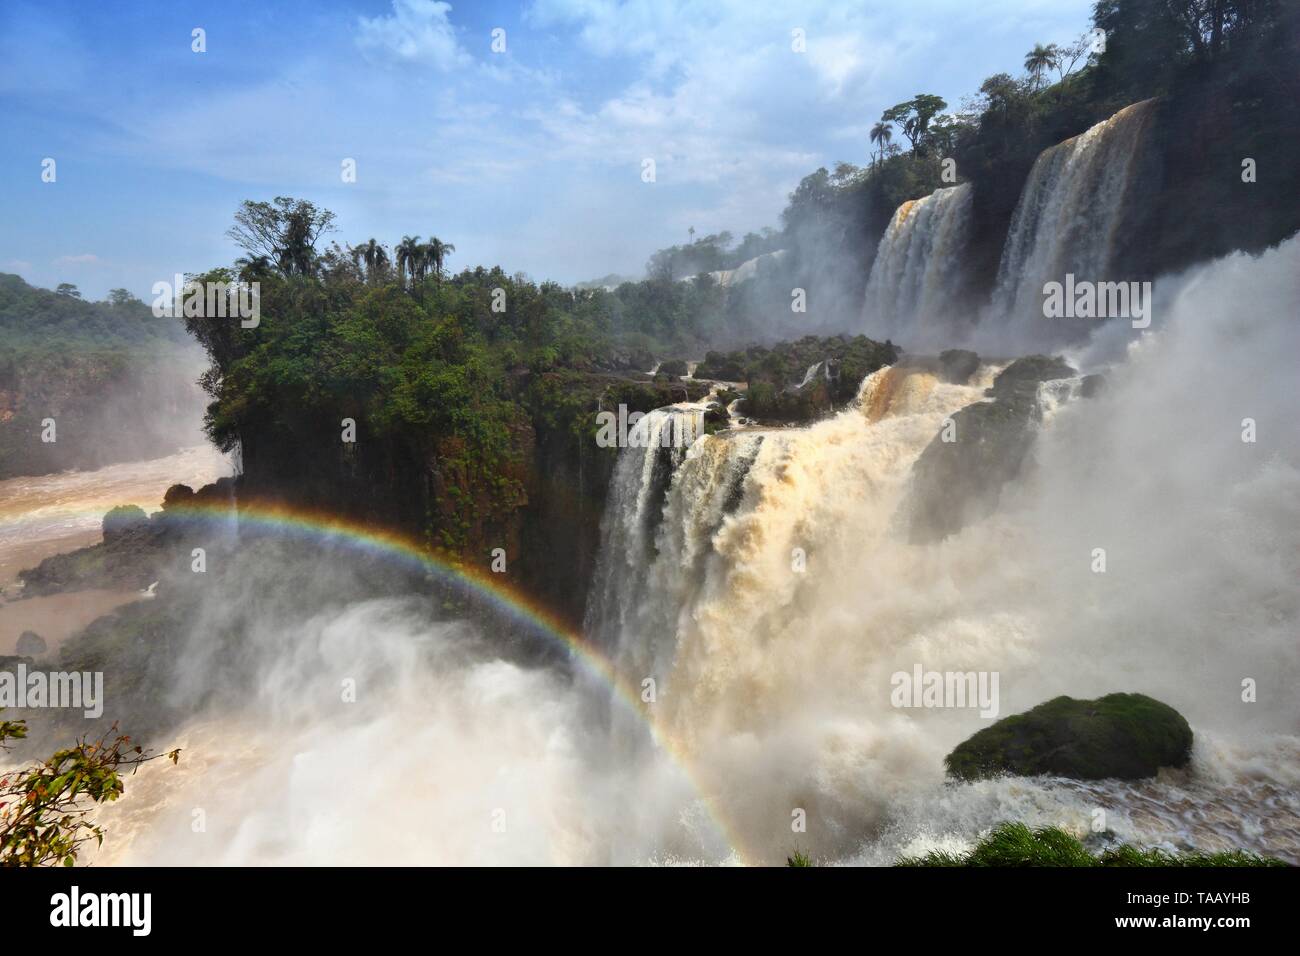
column 1078, row 199
column 762, row 580
column 916, row 291
column 657, row 444
column 749, row 269
column 772, row 627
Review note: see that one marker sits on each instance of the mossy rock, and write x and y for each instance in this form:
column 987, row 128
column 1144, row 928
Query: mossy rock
column 1124, row 736
column 122, row 520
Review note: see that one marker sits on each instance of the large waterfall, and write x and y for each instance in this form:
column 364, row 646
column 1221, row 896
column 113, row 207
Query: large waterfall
column 916, row 293
column 765, row 579
column 1074, row 209
column 1078, row 200
column 778, row 592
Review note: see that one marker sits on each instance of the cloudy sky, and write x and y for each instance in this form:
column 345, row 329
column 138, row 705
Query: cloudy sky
column 530, row 158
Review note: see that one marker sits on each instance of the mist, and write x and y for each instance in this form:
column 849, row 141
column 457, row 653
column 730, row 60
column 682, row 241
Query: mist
column 774, row 686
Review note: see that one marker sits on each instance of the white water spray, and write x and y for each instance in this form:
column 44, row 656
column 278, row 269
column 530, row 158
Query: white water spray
column 916, row 291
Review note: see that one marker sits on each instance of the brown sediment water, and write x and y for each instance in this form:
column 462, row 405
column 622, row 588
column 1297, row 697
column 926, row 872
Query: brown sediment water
column 45, row 515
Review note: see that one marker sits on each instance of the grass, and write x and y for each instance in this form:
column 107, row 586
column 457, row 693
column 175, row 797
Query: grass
column 1014, row 844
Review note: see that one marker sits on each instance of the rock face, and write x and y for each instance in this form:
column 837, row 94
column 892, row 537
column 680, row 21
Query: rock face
column 136, row 549
column 959, row 481
column 123, row 521
column 1126, row 736
column 956, row 366
column 31, row 644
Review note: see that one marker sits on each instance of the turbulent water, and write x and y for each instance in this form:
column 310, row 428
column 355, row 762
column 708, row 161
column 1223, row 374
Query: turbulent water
column 44, row 515
column 763, row 580
column 50, row 507
column 917, row 290
column 1072, row 211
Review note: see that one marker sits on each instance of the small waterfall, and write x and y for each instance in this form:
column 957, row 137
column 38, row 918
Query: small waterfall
column 1071, row 214
column 657, row 444
column 746, row 270
column 823, row 367
column 915, row 293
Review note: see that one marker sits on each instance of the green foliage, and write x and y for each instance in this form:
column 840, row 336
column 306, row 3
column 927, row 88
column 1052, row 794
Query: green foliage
column 770, row 373
column 44, row 809
column 798, row 858
column 1014, row 844
column 914, row 117
column 62, row 356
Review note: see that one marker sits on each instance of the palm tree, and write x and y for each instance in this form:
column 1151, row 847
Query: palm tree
column 408, row 254
column 376, row 260
column 1040, row 59
column 437, row 252
column 881, row 134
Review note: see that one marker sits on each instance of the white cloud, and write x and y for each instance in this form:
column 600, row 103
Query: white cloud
column 417, row 31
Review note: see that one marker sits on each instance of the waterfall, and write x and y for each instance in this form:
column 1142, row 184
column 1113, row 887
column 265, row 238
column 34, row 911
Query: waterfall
column 657, row 445
column 823, row 367
column 762, row 579
column 746, row 270
column 916, row 291
column 1072, row 213
column 781, row 593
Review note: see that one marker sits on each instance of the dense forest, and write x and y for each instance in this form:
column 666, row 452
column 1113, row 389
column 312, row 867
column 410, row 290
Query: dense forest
column 88, row 365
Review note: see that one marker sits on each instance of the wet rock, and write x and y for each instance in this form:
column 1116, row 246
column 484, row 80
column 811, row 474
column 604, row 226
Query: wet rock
column 960, row 475
column 31, row 644
column 1092, row 386
column 122, row 521
column 1124, row 736
column 956, row 366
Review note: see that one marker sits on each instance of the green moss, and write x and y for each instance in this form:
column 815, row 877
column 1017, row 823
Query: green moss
column 1014, row 844
column 1127, row 736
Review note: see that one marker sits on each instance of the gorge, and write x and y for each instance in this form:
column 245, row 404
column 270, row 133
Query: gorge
column 472, row 569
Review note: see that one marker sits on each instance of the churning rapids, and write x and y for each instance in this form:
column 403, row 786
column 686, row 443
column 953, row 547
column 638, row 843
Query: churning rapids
column 773, row 685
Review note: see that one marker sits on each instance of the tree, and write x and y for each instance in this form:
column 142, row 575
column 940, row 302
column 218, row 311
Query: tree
column 914, row 115
column 881, row 134
column 68, row 289
column 375, row 257
column 1040, row 59
column 121, row 298
column 407, row 254
column 44, row 808
column 436, row 253
column 1070, row 54
column 284, row 231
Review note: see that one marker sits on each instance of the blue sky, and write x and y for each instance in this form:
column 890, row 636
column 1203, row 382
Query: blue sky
column 530, row 158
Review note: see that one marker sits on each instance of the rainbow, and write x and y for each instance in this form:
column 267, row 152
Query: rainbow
column 504, row 598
